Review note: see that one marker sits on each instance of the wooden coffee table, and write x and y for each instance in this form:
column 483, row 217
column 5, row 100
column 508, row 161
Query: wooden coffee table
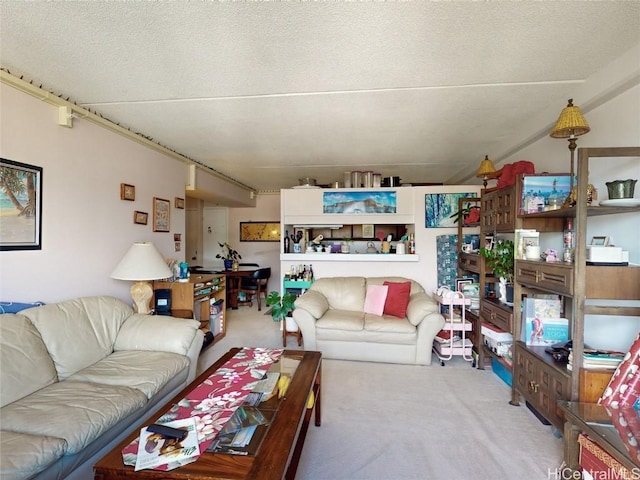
column 279, row 452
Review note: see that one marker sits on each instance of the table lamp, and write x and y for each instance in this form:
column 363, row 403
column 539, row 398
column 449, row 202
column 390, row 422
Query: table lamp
column 141, row 263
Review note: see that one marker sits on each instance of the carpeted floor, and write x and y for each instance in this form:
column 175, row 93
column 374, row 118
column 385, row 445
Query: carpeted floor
column 394, row 422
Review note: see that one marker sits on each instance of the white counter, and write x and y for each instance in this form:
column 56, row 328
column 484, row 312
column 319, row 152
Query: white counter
column 346, row 257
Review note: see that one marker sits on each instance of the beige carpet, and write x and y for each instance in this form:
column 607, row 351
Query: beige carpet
column 388, row 422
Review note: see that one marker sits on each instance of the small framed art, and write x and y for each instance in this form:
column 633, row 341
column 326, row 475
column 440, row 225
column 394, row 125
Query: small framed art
column 140, row 218
column 600, row 241
column 367, row 230
column 161, row 215
column 179, row 203
column 127, row 192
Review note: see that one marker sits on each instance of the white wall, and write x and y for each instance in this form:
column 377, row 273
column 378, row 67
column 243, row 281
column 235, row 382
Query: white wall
column 86, row 228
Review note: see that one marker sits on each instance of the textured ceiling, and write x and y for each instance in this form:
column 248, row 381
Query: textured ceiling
column 268, row 92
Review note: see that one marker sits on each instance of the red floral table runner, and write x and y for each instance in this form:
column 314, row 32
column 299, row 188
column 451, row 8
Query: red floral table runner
column 213, row 402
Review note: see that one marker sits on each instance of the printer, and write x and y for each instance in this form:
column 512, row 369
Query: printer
column 606, row 255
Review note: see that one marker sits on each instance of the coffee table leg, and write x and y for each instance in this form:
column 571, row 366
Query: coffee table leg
column 318, row 394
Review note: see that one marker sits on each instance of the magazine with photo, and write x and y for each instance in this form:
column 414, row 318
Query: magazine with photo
column 155, row 449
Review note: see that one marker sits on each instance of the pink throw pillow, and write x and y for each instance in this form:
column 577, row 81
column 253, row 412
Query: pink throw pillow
column 397, row 299
column 375, row 299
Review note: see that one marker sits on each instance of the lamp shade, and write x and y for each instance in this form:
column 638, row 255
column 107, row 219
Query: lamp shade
column 570, row 123
column 486, row 168
column 141, row 262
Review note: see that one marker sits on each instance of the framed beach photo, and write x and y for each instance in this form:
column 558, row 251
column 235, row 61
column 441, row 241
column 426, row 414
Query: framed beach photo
column 20, row 206
column 161, row 215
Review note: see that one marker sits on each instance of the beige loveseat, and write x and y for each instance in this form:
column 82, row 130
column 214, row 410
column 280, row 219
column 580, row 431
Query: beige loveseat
column 78, row 375
column 332, row 320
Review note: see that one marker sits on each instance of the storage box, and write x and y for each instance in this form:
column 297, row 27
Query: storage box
column 596, row 463
column 495, row 333
column 501, row 371
column 502, row 349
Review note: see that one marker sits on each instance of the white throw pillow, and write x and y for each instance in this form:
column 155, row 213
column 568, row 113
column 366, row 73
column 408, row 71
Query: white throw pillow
column 375, row 299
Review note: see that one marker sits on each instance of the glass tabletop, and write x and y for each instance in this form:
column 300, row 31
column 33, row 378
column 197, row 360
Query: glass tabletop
column 619, row 428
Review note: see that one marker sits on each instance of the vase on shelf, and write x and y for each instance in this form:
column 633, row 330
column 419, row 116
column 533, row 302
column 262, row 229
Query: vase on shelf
column 228, row 264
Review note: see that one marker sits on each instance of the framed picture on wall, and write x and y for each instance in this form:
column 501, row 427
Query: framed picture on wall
column 20, row 206
column 161, row 215
column 259, row 231
column 140, row 217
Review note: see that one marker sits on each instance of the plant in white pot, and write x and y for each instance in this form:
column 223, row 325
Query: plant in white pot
column 500, row 260
column 280, row 308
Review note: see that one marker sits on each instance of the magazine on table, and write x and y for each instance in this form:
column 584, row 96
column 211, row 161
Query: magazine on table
column 242, row 433
column 156, row 449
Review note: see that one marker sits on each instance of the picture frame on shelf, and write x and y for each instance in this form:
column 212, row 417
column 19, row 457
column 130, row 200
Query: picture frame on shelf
column 161, row 215
column 140, row 218
column 367, row 230
column 600, row 241
column 127, row 192
column 20, row 206
column 544, row 191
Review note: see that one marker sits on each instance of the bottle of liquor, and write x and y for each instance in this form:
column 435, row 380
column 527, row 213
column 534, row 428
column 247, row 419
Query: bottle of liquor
column 287, row 244
column 412, row 244
column 310, row 272
column 567, row 241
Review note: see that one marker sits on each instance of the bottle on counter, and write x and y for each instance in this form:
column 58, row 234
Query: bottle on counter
column 412, row 244
column 287, row 244
column 567, row 241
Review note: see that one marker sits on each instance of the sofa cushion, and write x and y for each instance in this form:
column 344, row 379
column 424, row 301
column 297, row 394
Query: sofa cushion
column 79, row 332
column 375, row 299
column 342, row 293
column 145, row 371
column 156, row 333
column 387, row 323
column 22, row 350
column 341, row 320
column 397, row 299
column 74, row 411
column 23, row 455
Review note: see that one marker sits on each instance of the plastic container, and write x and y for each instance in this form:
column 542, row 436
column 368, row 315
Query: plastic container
column 356, row 179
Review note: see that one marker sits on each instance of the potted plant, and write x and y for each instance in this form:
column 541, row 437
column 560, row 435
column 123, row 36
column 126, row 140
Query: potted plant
column 229, row 255
column 500, row 259
column 469, row 215
column 281, row 306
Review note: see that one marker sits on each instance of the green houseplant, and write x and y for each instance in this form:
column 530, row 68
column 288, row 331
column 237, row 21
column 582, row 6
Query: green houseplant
column 228, row 255
column 500, row 259
column 280, row 305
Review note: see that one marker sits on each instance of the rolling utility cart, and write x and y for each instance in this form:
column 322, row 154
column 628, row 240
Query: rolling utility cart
column 455, row 329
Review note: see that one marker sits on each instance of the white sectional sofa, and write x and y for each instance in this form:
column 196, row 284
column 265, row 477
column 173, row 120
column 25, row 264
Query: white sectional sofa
column 331, row 317
column 79, row 375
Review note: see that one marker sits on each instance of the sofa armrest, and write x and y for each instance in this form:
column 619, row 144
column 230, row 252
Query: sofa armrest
column 420, row 305
column 313, row 302
column 157, row 333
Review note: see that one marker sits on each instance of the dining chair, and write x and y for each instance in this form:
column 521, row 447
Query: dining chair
column 256, row 284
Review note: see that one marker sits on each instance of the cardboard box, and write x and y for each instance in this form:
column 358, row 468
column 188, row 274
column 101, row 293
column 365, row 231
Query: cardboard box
column 493, row 332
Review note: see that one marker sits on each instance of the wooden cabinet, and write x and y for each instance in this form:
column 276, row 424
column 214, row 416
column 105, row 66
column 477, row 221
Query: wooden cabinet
column 539, row 379
column 497, row 313
column 193, row 299
column 498, row 210
column 541, row 382
column 552, row 277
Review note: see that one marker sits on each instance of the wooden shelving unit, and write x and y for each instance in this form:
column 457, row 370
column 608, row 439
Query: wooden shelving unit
column 192, row 299
column 537, row 377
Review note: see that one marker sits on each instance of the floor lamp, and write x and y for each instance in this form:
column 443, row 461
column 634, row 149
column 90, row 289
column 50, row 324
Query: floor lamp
column 570, row 124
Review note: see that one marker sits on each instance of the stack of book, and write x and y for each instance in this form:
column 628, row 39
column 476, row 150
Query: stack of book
column 598, row 359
